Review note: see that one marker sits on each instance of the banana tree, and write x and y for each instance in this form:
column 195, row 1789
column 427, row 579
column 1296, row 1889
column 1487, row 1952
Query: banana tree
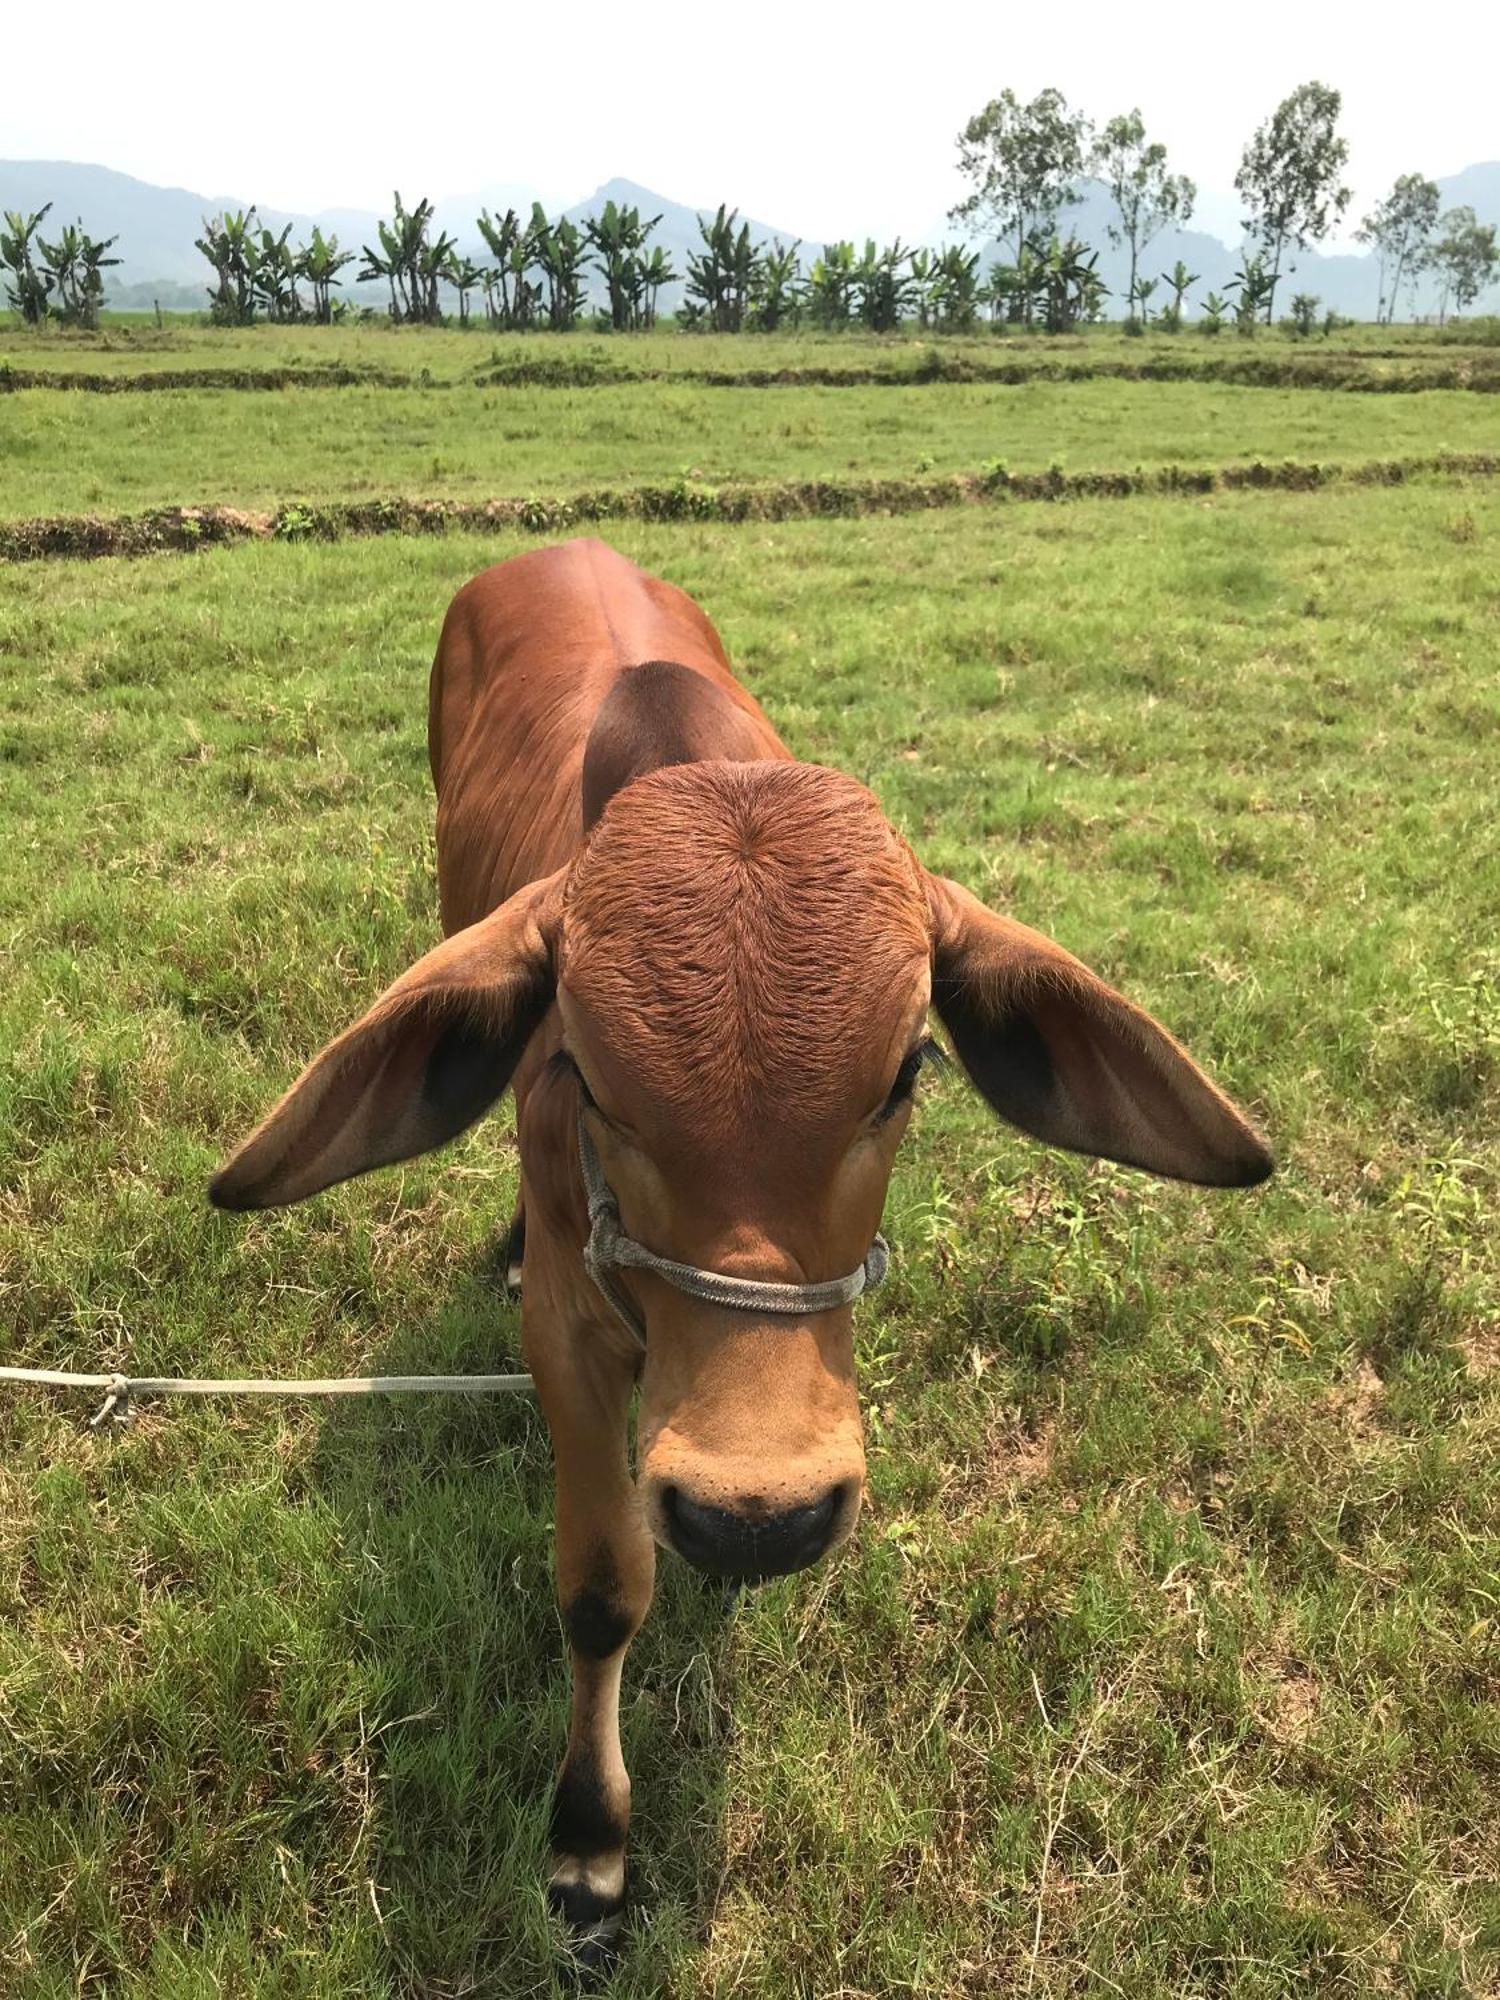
column 320, row 262
column 617, row 236
column 953, row 288
column 1254, row 287
column 1145, row 289
column 1069, row 282
column 410, row 264
column 465, row 276
column 560, row 250
column 923, row 277
column 503, row 236
column 722, row 275
column 776, row 296
column 883, row 286
column 1179, row 280
column 74, row 263
column 656, row 271
column 1214, row 310
column 29, row 288
column 1027, row 284
column 228, row 242
column 830, row 287
column 273, row 274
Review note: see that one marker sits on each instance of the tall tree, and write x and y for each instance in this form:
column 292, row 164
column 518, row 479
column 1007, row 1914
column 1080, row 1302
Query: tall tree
column 1023, row 161
column 1400, row 228
column 1290, row 176
column 1465, row 257
column 1146, row 197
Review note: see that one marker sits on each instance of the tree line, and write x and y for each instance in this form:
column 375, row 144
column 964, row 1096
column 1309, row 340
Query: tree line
column 1023, row 162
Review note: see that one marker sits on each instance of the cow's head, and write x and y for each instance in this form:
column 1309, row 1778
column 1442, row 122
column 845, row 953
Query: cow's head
column 743, row 958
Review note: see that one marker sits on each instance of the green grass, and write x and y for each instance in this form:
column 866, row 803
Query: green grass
column 68, row 454
column 451, row 354
column 1165, row 1660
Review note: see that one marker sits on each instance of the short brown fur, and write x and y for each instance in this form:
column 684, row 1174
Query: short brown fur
column 735, row 954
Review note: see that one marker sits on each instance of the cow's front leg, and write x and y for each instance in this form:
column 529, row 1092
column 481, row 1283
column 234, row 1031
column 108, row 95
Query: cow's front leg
column 605, row 1570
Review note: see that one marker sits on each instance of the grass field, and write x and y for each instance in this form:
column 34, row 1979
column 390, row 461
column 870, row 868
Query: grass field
column 76, row 454
column 1167, row 1657
column 134, row 345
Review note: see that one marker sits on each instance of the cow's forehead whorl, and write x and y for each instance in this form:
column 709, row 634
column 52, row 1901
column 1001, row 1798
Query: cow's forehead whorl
column 748, row 921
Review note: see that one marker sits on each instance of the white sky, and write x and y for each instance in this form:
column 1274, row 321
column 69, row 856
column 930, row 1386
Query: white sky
column 828, row 120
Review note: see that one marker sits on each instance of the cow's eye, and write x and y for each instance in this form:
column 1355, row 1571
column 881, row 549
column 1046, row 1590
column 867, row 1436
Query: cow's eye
column 562, row 1064
column 912, row 1065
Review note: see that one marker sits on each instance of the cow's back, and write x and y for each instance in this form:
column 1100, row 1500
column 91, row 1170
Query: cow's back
column 532, row 651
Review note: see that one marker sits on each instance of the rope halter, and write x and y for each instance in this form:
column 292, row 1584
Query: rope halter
column 609, row 1249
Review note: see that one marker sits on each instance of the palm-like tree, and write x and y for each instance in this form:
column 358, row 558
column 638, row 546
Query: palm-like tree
column 320, row 262
column 953, row 287
column 410, row 264
column 561, row 252
column 465, row 276
column 776, row 296
column 722, row 276
column 617, row 236
column 830, row 285
column 228, row 242
column 74, row 264
column 273, row 274
column 1180, row 281
column 29, row 288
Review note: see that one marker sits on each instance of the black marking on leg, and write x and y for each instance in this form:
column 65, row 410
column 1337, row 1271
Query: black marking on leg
column 597, row 1623
column 584, row 1823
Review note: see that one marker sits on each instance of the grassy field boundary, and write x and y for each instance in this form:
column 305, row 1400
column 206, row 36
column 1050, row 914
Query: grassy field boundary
column 1248, row 371
column 183, row 529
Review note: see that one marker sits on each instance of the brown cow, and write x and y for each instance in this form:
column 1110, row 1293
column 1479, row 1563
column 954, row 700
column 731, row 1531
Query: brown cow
column 707, row 969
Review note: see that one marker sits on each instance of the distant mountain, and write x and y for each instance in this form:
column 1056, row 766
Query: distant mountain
column 1477, row 188
column 157, row 228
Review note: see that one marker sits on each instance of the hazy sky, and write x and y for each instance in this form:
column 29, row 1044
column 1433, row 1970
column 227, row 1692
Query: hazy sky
column 828, row 120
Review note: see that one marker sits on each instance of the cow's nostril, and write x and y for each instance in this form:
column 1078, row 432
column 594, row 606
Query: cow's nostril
column 728, row 1543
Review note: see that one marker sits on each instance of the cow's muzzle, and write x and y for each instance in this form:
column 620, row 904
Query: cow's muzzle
column 755, row 1542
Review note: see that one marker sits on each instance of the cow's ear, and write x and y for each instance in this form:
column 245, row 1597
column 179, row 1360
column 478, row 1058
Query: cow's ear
column 434, row 1052
column 1066, row 1058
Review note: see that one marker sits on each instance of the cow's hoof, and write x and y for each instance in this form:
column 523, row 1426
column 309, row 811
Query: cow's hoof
column 593, row 1922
